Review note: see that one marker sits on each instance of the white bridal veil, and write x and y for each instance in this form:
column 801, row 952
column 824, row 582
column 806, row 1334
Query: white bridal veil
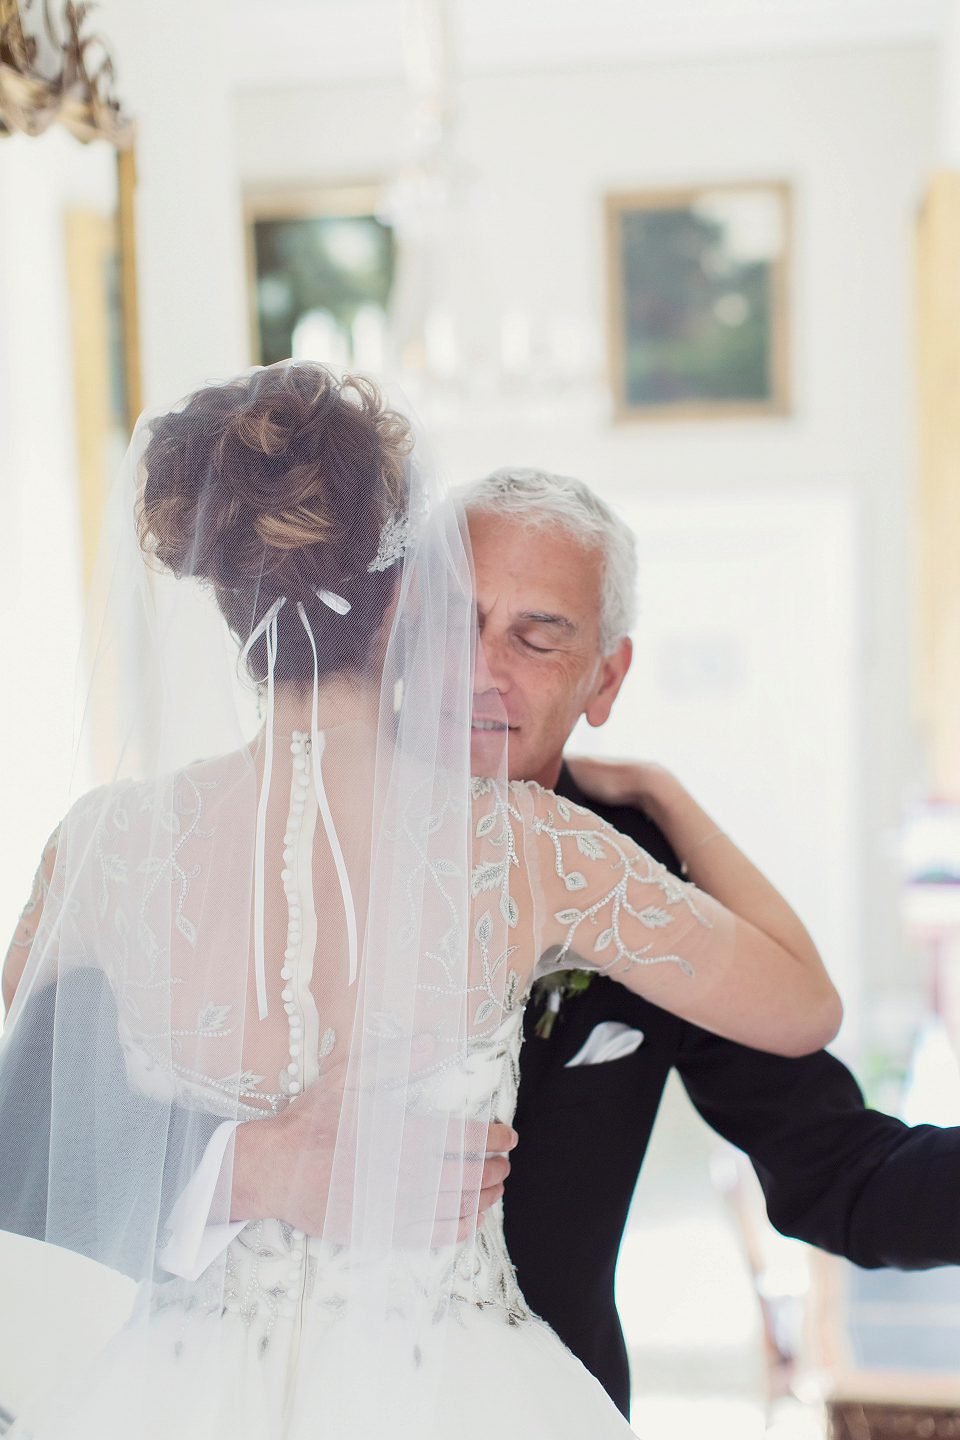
column 269, row 891
column 289, row 904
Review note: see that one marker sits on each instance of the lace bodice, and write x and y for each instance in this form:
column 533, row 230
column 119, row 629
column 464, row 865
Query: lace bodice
column 551, row 886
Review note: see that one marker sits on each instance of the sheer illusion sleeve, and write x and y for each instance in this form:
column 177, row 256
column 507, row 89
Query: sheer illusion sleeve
column 575, row 893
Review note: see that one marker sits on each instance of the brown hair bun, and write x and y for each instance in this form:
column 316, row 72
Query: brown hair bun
column 278, row 484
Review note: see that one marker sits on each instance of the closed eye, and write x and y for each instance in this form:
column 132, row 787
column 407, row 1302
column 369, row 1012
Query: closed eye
column 537, row 649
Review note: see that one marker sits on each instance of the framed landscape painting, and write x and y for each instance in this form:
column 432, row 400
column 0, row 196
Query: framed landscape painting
column 698, row 289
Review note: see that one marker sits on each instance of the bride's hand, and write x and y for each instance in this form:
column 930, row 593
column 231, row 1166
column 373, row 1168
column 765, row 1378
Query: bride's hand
column 283, row 1164
column 621, row 782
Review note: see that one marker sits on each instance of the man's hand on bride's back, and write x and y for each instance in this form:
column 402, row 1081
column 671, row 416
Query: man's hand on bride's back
column 283, row 1164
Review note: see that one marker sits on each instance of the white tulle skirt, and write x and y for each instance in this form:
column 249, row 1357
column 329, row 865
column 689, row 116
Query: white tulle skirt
column 215, row 1380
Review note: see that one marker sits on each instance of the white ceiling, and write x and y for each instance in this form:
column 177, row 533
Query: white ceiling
column 307, row 40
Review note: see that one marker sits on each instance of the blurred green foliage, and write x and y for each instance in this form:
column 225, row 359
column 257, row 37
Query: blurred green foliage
column 334, row 262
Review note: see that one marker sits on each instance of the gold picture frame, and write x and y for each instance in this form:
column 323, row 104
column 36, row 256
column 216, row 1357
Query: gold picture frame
column 104, row 322
column 288, row 204
column 670, row 302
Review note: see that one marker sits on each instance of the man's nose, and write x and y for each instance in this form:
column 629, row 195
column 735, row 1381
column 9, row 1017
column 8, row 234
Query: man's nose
column 482, row 677
column 488, row 674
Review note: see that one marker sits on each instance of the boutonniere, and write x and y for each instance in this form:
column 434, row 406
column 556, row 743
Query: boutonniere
column 553, row 990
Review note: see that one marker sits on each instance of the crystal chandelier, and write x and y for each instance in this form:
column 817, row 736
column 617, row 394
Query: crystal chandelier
column 453, row 342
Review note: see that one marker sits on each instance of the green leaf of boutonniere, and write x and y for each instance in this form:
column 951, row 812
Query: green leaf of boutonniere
column 552, row 990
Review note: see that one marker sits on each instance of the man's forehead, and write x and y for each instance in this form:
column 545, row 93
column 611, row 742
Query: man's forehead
column 544, row 572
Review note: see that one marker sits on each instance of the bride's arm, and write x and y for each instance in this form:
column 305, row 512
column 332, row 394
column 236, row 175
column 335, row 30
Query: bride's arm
column 707, row 854
column 25, row 933
column 736, row 961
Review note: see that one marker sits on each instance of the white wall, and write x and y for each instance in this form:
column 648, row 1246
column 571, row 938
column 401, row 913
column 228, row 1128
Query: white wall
column 40, row 570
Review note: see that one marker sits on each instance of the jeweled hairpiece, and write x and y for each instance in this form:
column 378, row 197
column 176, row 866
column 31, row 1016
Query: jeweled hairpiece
column 394, row 538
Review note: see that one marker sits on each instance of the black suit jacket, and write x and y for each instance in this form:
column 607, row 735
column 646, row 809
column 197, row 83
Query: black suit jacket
column 845, row 1178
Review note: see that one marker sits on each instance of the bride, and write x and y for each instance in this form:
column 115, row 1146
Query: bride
column 331, row 916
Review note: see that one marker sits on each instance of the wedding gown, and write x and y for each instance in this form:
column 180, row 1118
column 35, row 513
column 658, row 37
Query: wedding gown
column 330, row 912
column 248, row 1351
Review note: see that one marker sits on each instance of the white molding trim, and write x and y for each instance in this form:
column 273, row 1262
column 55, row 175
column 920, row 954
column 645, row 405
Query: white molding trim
column 342, row 40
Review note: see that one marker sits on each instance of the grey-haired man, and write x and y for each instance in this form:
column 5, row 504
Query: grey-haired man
column 555, row 578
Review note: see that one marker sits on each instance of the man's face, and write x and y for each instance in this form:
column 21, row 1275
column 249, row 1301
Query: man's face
column 538, row 611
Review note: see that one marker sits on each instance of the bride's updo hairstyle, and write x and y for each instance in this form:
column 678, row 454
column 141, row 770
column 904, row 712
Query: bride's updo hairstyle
column 278, row 484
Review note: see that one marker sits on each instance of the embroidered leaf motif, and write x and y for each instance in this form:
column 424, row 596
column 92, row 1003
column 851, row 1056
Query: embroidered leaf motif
column 151, row 866
column 603, row 940
column 488, row 875
column 327, row 1041
column 148, row 940
column 170, row 822
column 484, row 928
column 121, row 923
column 432, row 823
column 187, row 929
column 563, row 808
column 480, row 785
column 115, row 868
column 244, row 1079
column 654, row 918
column 485, row 824
column 449, row 946
column 211, row 1017
column 590, row 846
column 446, row 867
column 509, row 910
column 484, row 1010
column 131, row 1007
column 568, row 917
column 120, row 818
column 405, row 933
column 575, row 881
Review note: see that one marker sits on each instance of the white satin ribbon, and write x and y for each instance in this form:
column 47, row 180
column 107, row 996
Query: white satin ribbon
column 268, row 627
column 318, row 743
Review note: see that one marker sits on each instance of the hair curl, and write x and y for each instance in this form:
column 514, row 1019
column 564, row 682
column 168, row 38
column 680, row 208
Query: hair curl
column 278, row 484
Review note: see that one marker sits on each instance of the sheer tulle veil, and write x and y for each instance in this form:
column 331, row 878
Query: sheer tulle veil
column 269, row 887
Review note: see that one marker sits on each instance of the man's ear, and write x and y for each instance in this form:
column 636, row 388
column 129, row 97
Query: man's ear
column 613, row 671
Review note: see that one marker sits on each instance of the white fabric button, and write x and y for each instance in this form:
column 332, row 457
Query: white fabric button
column 286, row 972
column 294, row 1087
column 286, row 994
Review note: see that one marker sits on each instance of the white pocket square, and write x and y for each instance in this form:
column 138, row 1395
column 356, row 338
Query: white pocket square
column 610, row 1040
